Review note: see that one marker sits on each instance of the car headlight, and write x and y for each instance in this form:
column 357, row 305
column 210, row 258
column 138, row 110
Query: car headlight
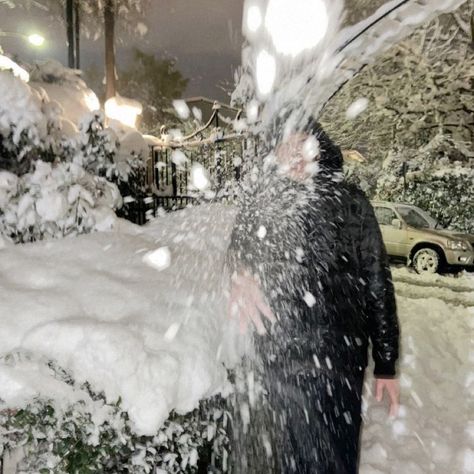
column 458, row 245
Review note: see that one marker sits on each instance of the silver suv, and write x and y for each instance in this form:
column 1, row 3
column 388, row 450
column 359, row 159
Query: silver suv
column 411, row 233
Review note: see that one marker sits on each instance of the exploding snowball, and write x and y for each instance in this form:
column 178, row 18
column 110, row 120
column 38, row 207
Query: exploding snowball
column 296, row 26
column 159, row 259
column 182, row 109
column 356, row 108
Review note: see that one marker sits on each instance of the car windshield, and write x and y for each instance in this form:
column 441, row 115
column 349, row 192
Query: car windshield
column 416, row 217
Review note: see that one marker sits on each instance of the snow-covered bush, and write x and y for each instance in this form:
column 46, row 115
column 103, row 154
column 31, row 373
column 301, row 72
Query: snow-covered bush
column 55, row 201
column 93, row 435
column 438, row 178
column 57, row 179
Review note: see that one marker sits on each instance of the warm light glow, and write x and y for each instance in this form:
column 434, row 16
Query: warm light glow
column 92, row 101
column 254, row 18
column 36, row 39
column 8, row 64
column 125, row 111
column 265, row 72
column 296, row 25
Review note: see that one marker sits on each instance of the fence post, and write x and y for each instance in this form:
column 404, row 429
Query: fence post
column 218, row 154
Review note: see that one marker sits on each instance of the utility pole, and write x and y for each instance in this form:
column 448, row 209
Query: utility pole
column 71, row 57
column 77, row 34
column 109, row 26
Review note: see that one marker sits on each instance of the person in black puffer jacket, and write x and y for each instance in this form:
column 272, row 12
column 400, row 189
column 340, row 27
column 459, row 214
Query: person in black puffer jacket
column 307, row 254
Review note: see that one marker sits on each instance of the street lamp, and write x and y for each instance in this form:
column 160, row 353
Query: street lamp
column 34, row 39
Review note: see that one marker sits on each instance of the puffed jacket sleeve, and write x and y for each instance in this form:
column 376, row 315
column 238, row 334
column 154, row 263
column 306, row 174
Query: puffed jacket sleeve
column 381, row 310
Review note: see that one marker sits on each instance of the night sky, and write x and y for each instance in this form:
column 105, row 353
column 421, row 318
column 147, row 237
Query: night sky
column 204, row 36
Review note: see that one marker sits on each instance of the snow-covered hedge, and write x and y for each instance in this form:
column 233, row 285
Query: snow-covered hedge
column 57, row 177
column 92, row 435
column 438, row 179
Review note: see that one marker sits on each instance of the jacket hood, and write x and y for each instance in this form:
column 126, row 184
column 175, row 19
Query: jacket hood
column 331, row 159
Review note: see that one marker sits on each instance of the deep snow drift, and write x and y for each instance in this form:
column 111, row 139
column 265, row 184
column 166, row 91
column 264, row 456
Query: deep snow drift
column 109, row 308
column 140, row 314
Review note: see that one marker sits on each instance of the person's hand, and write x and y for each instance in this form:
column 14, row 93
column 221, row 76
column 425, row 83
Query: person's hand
column 392, row 386
column 247, row 303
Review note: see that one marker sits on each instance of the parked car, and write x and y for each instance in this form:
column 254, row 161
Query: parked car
column 412, row 234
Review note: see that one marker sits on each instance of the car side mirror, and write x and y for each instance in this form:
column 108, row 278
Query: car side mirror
column 397, row 223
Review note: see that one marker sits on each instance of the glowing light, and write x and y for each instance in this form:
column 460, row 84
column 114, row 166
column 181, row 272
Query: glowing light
column 199, row 177
column 36, row 39
column 7, row 64
column 92, row 101
column 160, row 259
column 125, row 111
column 265, row 72
column 254, row 18
column 296, row 25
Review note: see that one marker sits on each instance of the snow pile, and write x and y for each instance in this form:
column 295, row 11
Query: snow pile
column 432, row 432
column 58, row 179
column 21, row 106
column 66, row 87
column 153, row 337
column 54, row 202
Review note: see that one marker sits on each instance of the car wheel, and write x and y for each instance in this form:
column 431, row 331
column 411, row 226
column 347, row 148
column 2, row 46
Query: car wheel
column 426, row 261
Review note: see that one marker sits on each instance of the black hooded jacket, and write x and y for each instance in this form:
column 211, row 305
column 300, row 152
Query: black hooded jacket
column 321, row 261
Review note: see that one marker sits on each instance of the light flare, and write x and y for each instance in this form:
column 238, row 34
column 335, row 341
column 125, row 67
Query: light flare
column 265, row 72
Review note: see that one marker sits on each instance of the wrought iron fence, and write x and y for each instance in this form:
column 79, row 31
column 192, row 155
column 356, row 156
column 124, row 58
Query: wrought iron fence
column 218, row 150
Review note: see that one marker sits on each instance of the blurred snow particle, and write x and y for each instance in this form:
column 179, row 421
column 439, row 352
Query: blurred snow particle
column 356, row 108
column 199, row 177
column 310, row 149
column 178, row 158
column 299, row 254
column 160, row 259
column 197, row 114
column 254, row 18
column 296, row 26
column 265, row 72
column 416, row 398
column 252, row 111
column 182, row 109
column 262, row 232
column 309, row 299
column 171, row 332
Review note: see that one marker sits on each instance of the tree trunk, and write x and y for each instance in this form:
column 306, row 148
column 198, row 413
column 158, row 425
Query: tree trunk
column 77, row 33
column 70, row 33
column 109, row 25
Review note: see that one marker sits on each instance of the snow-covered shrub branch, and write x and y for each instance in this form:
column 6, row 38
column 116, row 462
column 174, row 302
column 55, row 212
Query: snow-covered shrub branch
column 93, row 435
column 418, row 89
column 56, row 178
column 437, row 178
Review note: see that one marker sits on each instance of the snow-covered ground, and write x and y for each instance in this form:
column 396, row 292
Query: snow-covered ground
column 138, row 316
column 139, row 313
column 434, row 432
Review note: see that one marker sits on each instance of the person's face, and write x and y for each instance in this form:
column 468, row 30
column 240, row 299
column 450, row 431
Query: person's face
column 296, row 157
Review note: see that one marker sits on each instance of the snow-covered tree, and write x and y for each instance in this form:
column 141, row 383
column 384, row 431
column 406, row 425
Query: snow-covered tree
column 419, row 89
column 155, row 83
